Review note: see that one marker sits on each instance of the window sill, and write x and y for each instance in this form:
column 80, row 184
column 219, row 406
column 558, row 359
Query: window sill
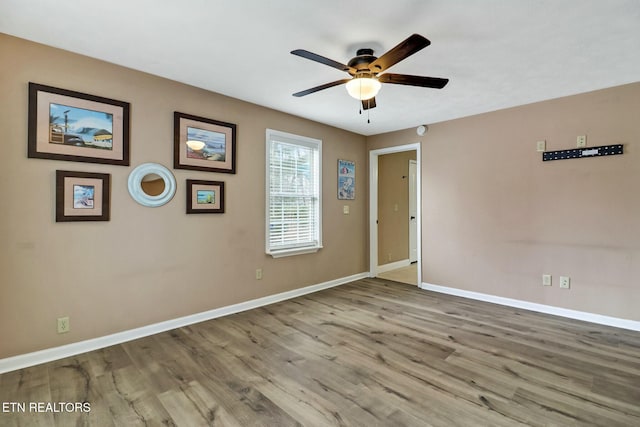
column 295, row 251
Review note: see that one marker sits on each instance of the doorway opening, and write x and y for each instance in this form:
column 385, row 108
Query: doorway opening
column 394, row 213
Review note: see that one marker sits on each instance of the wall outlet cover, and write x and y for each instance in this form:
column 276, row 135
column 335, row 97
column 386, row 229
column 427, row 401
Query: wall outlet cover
column 63, row 325
column 581, row 141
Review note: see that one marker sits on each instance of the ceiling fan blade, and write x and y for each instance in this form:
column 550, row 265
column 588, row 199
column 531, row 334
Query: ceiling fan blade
column 321, row 87
column 367, row 104
column 404, row 79
column 405, row 49
column 321, row 59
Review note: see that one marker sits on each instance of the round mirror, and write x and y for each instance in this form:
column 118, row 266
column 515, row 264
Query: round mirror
column 151, row 184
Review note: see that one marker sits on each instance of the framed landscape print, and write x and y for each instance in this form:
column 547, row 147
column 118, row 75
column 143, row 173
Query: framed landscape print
column 82, row 196
column 74, row 126
column 205, row 196
column 203, row 144
column 346, row 180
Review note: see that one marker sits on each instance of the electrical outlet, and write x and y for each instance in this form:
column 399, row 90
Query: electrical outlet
column 581, row 141
column 63, row 325
column 546, row 280
column 541, row 145
column 565, row 282
column 258, row 274
column 345, row 209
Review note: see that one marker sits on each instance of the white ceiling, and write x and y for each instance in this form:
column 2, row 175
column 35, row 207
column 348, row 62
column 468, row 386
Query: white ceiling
column 496, row 53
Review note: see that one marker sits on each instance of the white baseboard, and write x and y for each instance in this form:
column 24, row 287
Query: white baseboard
column 541, row 308
column 31, row 359
column 393, row 266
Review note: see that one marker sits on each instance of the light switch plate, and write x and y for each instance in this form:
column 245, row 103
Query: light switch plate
column 546, row 280
column 345, row 209
column 541, row 145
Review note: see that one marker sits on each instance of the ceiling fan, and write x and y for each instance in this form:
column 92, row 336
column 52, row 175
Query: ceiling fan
column 365, row 69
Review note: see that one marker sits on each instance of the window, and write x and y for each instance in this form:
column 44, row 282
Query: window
column 294, row 206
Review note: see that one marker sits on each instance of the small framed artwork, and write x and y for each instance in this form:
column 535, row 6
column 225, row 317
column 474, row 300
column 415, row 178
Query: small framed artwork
column 205, row 196
column 203, row 144
column 346, row 180
column 74, row 126
column 82, row 196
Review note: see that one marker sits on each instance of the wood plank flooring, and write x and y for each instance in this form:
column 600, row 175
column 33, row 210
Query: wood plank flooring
column 369, row 353
column 408, row 275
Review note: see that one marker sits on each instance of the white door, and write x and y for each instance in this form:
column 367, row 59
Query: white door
column 413, row 212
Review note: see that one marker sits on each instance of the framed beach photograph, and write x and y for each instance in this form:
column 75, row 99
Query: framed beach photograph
column 82, row 196
column 205, row 196
column 203, row 144
column 74, row 126
column 346, row 180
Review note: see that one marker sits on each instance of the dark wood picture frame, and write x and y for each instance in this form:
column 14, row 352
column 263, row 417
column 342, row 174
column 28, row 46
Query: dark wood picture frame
column 205, row 196
column 82, row 196
column 80, row 139
column 216, row 140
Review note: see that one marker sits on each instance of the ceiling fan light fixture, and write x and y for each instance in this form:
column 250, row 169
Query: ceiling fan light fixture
column 363, row 88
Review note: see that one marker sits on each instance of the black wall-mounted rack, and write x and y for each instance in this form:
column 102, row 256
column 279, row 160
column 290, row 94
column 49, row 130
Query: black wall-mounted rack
column 578, row 153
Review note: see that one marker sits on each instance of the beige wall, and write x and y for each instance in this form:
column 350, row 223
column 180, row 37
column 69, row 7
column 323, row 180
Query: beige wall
column 495, row 217
column 148, row 265
column 393, row 206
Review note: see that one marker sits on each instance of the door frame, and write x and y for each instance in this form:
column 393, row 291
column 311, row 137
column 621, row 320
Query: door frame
column 373, row 204
column 413, row 201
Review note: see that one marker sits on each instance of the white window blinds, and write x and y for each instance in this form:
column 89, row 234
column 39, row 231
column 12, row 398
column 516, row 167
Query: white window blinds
column 293, row 194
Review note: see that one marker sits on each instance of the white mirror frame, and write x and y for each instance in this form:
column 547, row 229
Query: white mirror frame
column 135, row 185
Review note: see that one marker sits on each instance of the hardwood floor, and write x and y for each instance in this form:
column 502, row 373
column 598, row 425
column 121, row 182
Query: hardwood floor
column 408, row 275
column 373, row 352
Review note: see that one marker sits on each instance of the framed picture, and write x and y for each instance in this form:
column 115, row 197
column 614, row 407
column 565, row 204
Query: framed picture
column 68, row 125
column 82, row 196
column 346, row 180
column 205, row 196
column 203, row 144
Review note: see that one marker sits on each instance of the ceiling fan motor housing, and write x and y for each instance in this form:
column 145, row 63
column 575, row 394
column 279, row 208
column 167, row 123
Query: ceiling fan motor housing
column 361, row 61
